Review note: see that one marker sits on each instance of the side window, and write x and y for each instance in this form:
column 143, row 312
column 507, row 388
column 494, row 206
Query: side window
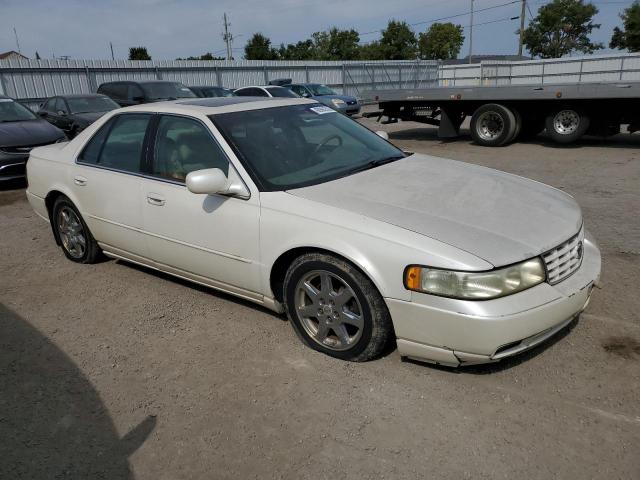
column 91, row 152
column 184, row 145
column 300, row 90
column 60, row 105
column 119, row 90
column 123, row 146
column 134, row 91
column 50, row 106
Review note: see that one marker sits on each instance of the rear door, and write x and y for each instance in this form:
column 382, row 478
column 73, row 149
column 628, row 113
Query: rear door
column 107, row 184
column 207, row 238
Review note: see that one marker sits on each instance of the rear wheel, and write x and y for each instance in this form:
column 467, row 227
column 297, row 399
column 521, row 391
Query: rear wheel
column 493, row 125
column 566, row 125
column 75, row 238
column 335, row 309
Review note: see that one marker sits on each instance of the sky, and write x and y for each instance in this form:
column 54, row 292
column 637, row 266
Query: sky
column 82, row 29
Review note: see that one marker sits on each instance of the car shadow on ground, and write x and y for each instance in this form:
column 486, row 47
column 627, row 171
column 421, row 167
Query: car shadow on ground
column 507, row 363
column 389, row 348
column 53, row 423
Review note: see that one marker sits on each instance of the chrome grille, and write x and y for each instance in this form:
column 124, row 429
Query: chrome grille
column 564, row 259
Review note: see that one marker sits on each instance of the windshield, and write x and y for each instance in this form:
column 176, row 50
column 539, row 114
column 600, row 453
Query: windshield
column 167, row 91
column 11, row 111
column 300, row 145
column 91, row 104
column 282, row 92
column 321, row 90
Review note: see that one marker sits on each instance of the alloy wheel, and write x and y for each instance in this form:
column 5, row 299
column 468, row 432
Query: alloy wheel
column 71, row 232
column 329, row 310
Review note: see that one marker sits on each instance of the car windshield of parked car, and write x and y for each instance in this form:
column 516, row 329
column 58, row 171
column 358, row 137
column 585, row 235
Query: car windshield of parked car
column 91, row 104
column 11, row 111
column 282, row 92
column 321, row 90
column 300, row 145
column 167, row 91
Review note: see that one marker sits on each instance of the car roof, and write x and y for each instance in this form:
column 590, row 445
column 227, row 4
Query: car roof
column 209, row 86
column 215, row 105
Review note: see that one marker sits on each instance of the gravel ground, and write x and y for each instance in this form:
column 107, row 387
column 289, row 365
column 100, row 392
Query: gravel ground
column 111, row 371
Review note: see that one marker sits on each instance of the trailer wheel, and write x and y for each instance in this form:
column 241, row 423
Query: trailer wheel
column 493, row 125
column 566, row 125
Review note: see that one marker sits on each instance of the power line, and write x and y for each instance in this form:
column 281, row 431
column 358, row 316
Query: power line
column 448, row 17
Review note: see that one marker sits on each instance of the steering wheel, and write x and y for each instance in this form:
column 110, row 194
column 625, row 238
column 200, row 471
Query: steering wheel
column 326, row 140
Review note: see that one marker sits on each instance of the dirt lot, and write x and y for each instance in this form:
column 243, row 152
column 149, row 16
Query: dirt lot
column 110, row 371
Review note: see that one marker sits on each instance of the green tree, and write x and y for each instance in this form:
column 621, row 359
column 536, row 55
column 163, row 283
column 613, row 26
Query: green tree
column 303, row 50
column 205, row 56
column 560, row 28
column 441, row 42
column 371, row 51
column 629, row 38
column 259, row 48
column 336, row 44
column 139, row 53
column 398, row 41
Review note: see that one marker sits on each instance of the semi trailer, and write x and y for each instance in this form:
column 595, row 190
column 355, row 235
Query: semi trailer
column 503, row 114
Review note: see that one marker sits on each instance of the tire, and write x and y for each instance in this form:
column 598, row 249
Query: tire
column 72, row 233
column 566, row 125
column 350, row 321
column 493, row 125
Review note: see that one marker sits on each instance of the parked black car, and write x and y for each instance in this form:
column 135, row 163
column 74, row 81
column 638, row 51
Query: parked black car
column 20, row 131
column 205, row 91
column 74, row 113
column 126, row 93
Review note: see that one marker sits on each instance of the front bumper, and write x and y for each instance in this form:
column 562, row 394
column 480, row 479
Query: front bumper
column 12, row 166
column 460, row 332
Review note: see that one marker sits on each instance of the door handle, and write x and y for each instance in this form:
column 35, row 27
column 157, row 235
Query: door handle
column 80, row 181
column 155, row 199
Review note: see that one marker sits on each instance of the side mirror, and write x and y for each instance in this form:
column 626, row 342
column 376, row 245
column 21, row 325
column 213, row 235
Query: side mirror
column 207, row 181
column 42, row 113
column 383, row 134
column 306, row 95
column 213, row 181
column 62, row 113
column 138, row 98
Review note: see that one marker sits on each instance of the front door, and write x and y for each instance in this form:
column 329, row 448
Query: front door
column 212, row 239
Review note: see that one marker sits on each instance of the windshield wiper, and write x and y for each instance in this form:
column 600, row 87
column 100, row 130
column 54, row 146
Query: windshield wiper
column 375, row 163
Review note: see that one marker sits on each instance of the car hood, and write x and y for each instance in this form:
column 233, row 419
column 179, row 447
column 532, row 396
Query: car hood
column 28, row 132
column 88, row 117
column 499, row 217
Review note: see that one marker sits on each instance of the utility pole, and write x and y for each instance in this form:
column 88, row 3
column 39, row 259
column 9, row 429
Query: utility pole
column 522, row 10
column 17, row 41
column 228, row 37
column 471, row 35
column 111, row 47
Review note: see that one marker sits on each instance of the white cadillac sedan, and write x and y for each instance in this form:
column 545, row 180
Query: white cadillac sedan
column 288, row 204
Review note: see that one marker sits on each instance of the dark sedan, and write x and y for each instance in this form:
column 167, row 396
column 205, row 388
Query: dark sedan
column 20, row 131
column 74, row 113
column 205, row 91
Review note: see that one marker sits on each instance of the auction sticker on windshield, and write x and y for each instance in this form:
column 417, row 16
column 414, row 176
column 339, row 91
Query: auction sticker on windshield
column 322, row 109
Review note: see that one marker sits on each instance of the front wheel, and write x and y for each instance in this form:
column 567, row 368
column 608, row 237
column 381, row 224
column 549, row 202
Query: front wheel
column 73, row 234
column 335, row 309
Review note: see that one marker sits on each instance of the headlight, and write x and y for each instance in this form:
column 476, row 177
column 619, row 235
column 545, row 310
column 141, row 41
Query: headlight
column 475, row 285
column 337, row 102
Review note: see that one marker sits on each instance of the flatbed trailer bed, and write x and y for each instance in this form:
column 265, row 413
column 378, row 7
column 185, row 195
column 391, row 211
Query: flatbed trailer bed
column 500, row 114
